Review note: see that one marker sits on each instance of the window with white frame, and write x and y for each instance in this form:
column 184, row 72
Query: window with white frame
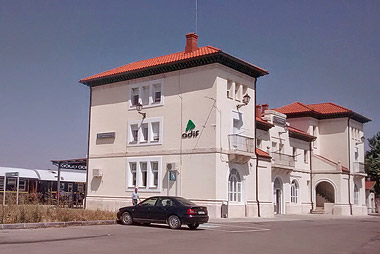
column 234, row 186
column 356, row 195
column 143, row 173
column 294, row 192
column 148, row 132
column 306, row 156
column 149, row 94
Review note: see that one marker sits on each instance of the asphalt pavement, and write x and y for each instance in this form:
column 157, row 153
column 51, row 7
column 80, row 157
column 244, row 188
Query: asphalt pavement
column 282, row 234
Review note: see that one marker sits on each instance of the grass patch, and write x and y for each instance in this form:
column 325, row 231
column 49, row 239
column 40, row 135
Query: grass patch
column 41, row 213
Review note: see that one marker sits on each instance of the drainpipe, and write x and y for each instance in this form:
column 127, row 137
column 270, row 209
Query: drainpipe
column 88, row 149
column 311, row 179
column 349, row 164
column 257, row 159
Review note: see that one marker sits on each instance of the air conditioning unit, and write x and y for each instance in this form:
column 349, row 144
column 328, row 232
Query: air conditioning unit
column 97, row 173
column 170, row 167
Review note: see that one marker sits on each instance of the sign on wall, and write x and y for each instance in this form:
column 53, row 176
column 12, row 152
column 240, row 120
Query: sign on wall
column 190, row 132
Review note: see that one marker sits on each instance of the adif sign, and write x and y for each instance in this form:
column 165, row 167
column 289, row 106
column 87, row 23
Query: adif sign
column 190, row 133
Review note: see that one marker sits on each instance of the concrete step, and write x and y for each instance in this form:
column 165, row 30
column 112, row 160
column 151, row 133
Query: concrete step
column 318, row 211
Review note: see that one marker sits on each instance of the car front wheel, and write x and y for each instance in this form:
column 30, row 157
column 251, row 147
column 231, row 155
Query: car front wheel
column 193, row 226
column 174, row 222
column 126, row 218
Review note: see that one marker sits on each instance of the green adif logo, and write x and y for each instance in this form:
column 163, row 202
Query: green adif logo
column 190, row 133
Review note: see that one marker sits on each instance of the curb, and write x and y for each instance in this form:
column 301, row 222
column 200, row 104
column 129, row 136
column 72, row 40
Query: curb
column 55, row 224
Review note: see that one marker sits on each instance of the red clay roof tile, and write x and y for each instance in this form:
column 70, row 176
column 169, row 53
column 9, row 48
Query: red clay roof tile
column 261, row 153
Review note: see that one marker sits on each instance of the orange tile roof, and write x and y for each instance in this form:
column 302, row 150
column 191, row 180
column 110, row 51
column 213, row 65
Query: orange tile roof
column 320, row 111
column 306, row 135
column 261, row 120
column 333, row 162
column 369, row 185
column 176, row 58
column 261, row 153
column 155, row 61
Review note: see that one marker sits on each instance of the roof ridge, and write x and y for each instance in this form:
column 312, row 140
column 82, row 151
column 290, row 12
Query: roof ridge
column 332, row 103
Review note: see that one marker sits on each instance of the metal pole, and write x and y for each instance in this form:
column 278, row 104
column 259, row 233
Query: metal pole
column 59, row 183
column 18, row 186
column 5, row 188
column 168, row 181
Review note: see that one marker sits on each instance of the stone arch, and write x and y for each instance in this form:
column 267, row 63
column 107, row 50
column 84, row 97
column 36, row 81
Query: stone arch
column 325, row 192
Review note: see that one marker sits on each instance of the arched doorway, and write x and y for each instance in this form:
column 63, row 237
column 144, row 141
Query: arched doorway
column 277, row 192
column 325, row 193
column 234, row 186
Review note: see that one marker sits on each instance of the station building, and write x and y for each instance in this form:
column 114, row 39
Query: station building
column 187, row 124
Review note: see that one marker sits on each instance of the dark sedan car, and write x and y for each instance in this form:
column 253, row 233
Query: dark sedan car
column 174, row 211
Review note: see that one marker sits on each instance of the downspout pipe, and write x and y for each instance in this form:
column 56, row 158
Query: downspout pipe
column 257, row 158
column 311, row 179
column 349, row 164
column 88, row 148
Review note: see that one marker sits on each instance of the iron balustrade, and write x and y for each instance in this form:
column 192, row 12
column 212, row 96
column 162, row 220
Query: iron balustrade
column 283, row 159
column 359, row 167
column 242, row 143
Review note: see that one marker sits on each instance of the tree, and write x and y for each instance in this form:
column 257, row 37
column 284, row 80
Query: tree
column 372, row 161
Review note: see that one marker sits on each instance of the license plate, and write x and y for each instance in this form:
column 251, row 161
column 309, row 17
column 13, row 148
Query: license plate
column 201, row 212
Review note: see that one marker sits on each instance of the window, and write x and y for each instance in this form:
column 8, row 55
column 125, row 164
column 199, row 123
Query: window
column 315, row 133
column 135, row 96
column 154, row 167
column 70, row 187
column 306, row 156
column 156, row 93
column 167, row 202
column 22, row 185
column 259, row 143
column 148, row 132
column 356, row 195
column 133, row 168
column 148, row 94
column 294, row 192
column 234, row 186
column 149, row 202
column 80, row 187
column 144, row 173
column 1, row 184
column 230, row 89
column 294, row 153
column 62, row 186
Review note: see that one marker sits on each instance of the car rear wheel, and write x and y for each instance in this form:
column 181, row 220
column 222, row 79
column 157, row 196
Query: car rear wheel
column 126, row 218
column 193, row 226
column 174, row 222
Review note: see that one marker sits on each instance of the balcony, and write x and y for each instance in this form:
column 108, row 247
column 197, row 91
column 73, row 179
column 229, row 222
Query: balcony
column 283, row 160
column 359, row 168
column 241, row 148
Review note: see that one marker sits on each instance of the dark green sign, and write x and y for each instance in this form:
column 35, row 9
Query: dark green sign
column 189, row 131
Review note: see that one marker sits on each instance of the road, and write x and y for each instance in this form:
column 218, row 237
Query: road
column 306, row 234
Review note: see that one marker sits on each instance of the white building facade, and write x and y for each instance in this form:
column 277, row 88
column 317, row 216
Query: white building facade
column 185, row 124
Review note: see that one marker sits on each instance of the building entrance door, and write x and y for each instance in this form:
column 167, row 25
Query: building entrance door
column 277, row 191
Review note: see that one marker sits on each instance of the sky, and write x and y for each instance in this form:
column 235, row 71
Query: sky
column 315, row 51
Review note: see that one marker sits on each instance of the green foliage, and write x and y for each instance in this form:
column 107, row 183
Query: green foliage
column 372, row 161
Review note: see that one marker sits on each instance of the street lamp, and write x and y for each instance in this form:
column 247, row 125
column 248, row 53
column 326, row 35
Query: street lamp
column 246, row 99
column 139, row 108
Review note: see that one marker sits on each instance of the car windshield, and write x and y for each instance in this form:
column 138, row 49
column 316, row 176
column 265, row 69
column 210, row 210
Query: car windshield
column 184, row 201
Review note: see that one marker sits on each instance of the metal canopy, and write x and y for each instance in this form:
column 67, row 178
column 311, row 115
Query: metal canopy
column 79, row 164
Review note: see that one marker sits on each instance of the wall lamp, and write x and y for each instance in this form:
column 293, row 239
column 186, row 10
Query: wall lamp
column 139, row 108
column 286, row 129
column 246, row 99
column 362, row 139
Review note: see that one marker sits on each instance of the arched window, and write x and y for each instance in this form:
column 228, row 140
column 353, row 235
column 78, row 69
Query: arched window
column 356, row 195
column 234, row 186
column 294, row 192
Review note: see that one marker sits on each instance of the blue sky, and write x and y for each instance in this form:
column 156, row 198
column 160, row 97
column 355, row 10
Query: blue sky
column 315, row 51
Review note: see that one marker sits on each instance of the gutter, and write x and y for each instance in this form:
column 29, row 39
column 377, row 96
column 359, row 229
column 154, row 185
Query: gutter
column 311, row 179
column 349, row 164
column 88, row 149
column 257, row 159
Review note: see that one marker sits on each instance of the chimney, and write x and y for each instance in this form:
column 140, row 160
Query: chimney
column 191, row 42
column 265, row 107
column 258, row 110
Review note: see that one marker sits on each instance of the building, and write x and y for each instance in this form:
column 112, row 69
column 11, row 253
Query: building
column 370, row 196
column 337, row 155
column 187, row 124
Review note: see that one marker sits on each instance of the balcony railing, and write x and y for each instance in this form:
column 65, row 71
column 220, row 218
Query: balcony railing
column 283, row 159
column 242, row 143
column 359, row 167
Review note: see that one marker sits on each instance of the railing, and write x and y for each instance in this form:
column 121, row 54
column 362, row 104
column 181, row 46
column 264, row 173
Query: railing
column 359, row 167
column 283, row 159
column 242, row 143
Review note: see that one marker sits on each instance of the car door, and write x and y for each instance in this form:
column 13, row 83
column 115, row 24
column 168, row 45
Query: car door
column 145, row 209
column 165, row 206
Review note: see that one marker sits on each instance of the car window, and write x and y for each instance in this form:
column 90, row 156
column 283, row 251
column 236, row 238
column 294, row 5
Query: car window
column 184, row 201
column 166, row 202
column 149, row 202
